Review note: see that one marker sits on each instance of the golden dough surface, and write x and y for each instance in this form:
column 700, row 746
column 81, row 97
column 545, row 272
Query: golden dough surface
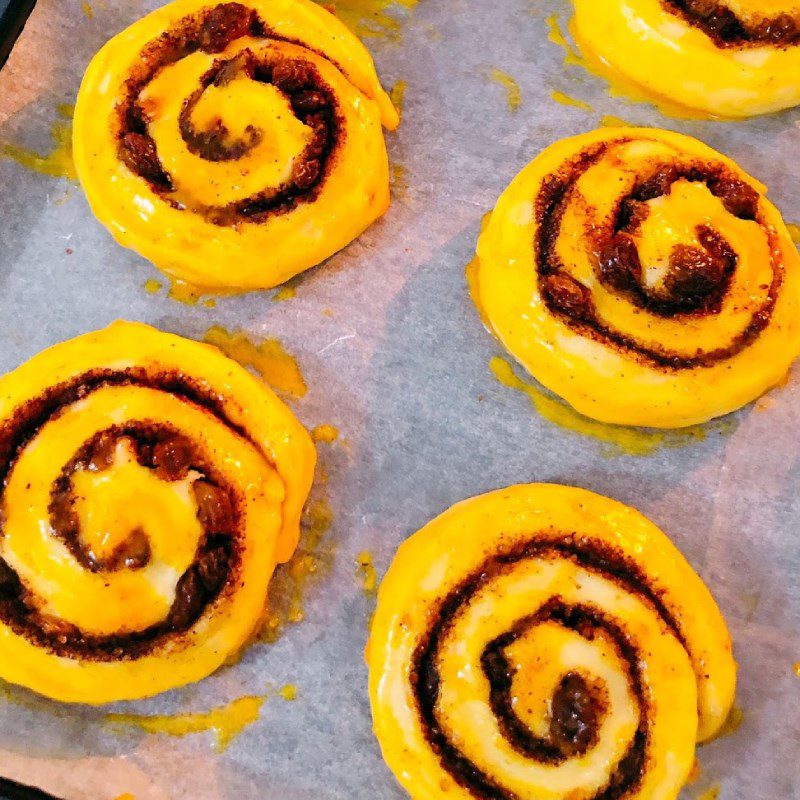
column 729, row 59
column 234, row 144
column 151, row 486
column 643, row 277
column 544, row 641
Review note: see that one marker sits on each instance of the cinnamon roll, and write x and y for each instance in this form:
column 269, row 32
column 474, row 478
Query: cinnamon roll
column 729, row 58
column 150, row 486
column 545, row 642
column 234, row 144
column 643, row 277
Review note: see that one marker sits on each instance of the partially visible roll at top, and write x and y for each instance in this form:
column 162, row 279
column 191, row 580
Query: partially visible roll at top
column 234, row 144
column 729, row 58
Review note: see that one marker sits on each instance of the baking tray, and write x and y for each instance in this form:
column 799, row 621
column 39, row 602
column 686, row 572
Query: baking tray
column 13, row 15
column 395, row 357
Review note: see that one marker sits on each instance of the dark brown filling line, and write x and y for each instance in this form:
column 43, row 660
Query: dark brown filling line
column 216, row 565
column 312, row 101
column 726, row 29
column 698, row 277
column 577, row 707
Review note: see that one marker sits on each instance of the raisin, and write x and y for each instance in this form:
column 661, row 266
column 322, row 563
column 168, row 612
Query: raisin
column 172, row 458
column 717, row 20
column 693, row 276
column 319, row 141
column 782, row 28
column 229, row 70
column 138, row 153
column 62, row 516
column 103, row 450
column 717, row 246
column 568, row 295
column 305, row 173
column 212, row 569
column 190, row 597
column 701, row 8
column 620, row 266
column 224, row 216
column 738, row 197
column 214, row 508
column 10, row 585
column 632, row 214
column 574, row 716
column 291, row 76
column 309, row 101
column 726, row 25
column 133, row 553
column 656, row 185
column 224, row 24
column 135, row 118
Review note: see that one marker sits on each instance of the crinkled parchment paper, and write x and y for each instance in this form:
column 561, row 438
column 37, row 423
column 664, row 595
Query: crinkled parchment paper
column 395, row 357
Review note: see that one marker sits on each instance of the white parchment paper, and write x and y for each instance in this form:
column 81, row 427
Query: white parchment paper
column 395, row 356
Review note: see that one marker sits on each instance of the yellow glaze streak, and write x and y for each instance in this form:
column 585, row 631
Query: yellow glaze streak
column 268, row 358
column 609, row 383
column 58, row 163
column 190, row 295
column 689, row 680
column 288, row 692
column 226, row 722
column 732, row 724
column 398, row 95
column 657, row 52
column 610, row 121
column 286, row 292
column 264, row 454
column 622, row 440
column 509, row 83
column 325, row 433
column 370, row 18
column 366, row 568
column 556, row 36
column 178, row 236
column 566, row 100
column 288, row 589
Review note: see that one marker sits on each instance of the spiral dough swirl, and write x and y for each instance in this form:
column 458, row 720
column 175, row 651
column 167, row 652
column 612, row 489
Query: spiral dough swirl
column 661, row 278
column 143, row 511
column 215, row 139
column 725, row 58
column 542, row 641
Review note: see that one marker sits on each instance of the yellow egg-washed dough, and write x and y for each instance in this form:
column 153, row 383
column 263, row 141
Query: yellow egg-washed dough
column 607, row 377
column 133, row 376
column 175, row 229
column 481, row 582
column 652, row 45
